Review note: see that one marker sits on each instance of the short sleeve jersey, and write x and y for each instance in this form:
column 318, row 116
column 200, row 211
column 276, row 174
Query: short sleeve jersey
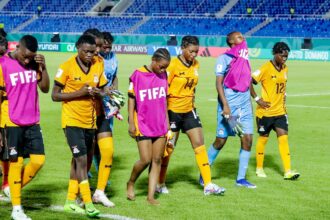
column 182, row 81
column 70, row 76
column 273, row 89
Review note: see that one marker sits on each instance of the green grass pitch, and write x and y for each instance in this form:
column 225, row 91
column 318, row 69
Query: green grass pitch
column 308, row 198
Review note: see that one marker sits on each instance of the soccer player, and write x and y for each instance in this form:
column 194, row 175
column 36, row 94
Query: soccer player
column 77, row 84
column 233, row 78
column 22, row 71
column 103, row 152
column 148, row 119
column 182, row 80
column 4, row 162
column 271, row 112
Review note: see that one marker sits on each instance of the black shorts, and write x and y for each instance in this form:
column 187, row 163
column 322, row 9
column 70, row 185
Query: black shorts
column 103, row 124
column 184, row 121
column 23, row 141
column 266, row 124
column 142, row 138
column 80, row 140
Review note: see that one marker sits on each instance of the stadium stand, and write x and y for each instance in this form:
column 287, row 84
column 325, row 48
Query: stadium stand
column 11, row 21
column 174, row 17
column 50, row 6
column 196, row 26
column 66, row 23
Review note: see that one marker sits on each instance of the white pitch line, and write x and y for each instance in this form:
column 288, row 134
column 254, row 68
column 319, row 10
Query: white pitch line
column 108, row 216
column 60, row 209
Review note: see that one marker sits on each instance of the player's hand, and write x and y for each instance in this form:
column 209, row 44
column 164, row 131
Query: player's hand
column 40, row 60
column 131, row 130
column 226, row 112
column 263, row 103
column 84, row 90
column 93, row 91
column 236, row 126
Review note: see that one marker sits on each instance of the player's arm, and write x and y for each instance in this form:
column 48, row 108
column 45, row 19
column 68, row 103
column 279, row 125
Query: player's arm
column 131, row 108
column 114, row 85
column 220, row 70
column 257, row 77
column 59, row 96
column 43, row 82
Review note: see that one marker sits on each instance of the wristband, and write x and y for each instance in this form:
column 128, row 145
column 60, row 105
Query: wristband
column 257, row 98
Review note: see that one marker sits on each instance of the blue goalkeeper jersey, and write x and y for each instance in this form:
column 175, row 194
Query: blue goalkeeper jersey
column 234, row 98
column 110, row 67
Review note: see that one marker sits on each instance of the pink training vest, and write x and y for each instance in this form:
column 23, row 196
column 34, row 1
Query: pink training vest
column 239, row 75
column 22, row 92
column 150, row 94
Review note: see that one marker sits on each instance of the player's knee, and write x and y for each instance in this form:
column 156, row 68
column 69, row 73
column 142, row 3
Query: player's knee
column 157, row 160
column 219, row 143
column 145, row 162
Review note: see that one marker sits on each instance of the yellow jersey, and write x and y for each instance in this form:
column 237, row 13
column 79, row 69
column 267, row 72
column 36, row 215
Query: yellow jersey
column 182, row 81
column 273, row 84
column 70, row 76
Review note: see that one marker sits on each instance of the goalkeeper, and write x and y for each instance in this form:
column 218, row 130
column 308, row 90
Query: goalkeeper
column 233, row 77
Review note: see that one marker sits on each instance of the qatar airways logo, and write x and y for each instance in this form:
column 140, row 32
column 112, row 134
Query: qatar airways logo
column 28, row 76
column 153, row 93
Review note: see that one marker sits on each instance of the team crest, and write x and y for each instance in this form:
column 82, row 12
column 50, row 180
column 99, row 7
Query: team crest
column 75, row 149
column 96, row 79
column 173, row 126
column 196, row 72
column 12, row 151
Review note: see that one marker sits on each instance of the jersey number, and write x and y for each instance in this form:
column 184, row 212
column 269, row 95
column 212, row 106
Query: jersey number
column 279, row 88
column 189, row 83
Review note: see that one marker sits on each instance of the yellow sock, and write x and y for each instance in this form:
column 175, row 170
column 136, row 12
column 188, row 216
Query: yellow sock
column 285, row 152
column 85, row 191
column 15, row 181
column 72, row 190
column 260, row 151
column 32, row 167
column 106, row 151
column 203, row 163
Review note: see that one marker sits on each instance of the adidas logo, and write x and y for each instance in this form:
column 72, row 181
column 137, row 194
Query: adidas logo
column 261, row 128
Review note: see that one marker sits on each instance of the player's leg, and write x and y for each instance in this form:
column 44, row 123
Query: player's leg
column 35, row 149
column 246, row 120
column 175, row 126
column 80, row 141
column 281, row 128
column 145, row 152
column 158, row 146
column 15, row 144
column 5, row 184
column 195, row 136
column 264, row 126
column 4, row 163
column 105, row 143
column 222, row 132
